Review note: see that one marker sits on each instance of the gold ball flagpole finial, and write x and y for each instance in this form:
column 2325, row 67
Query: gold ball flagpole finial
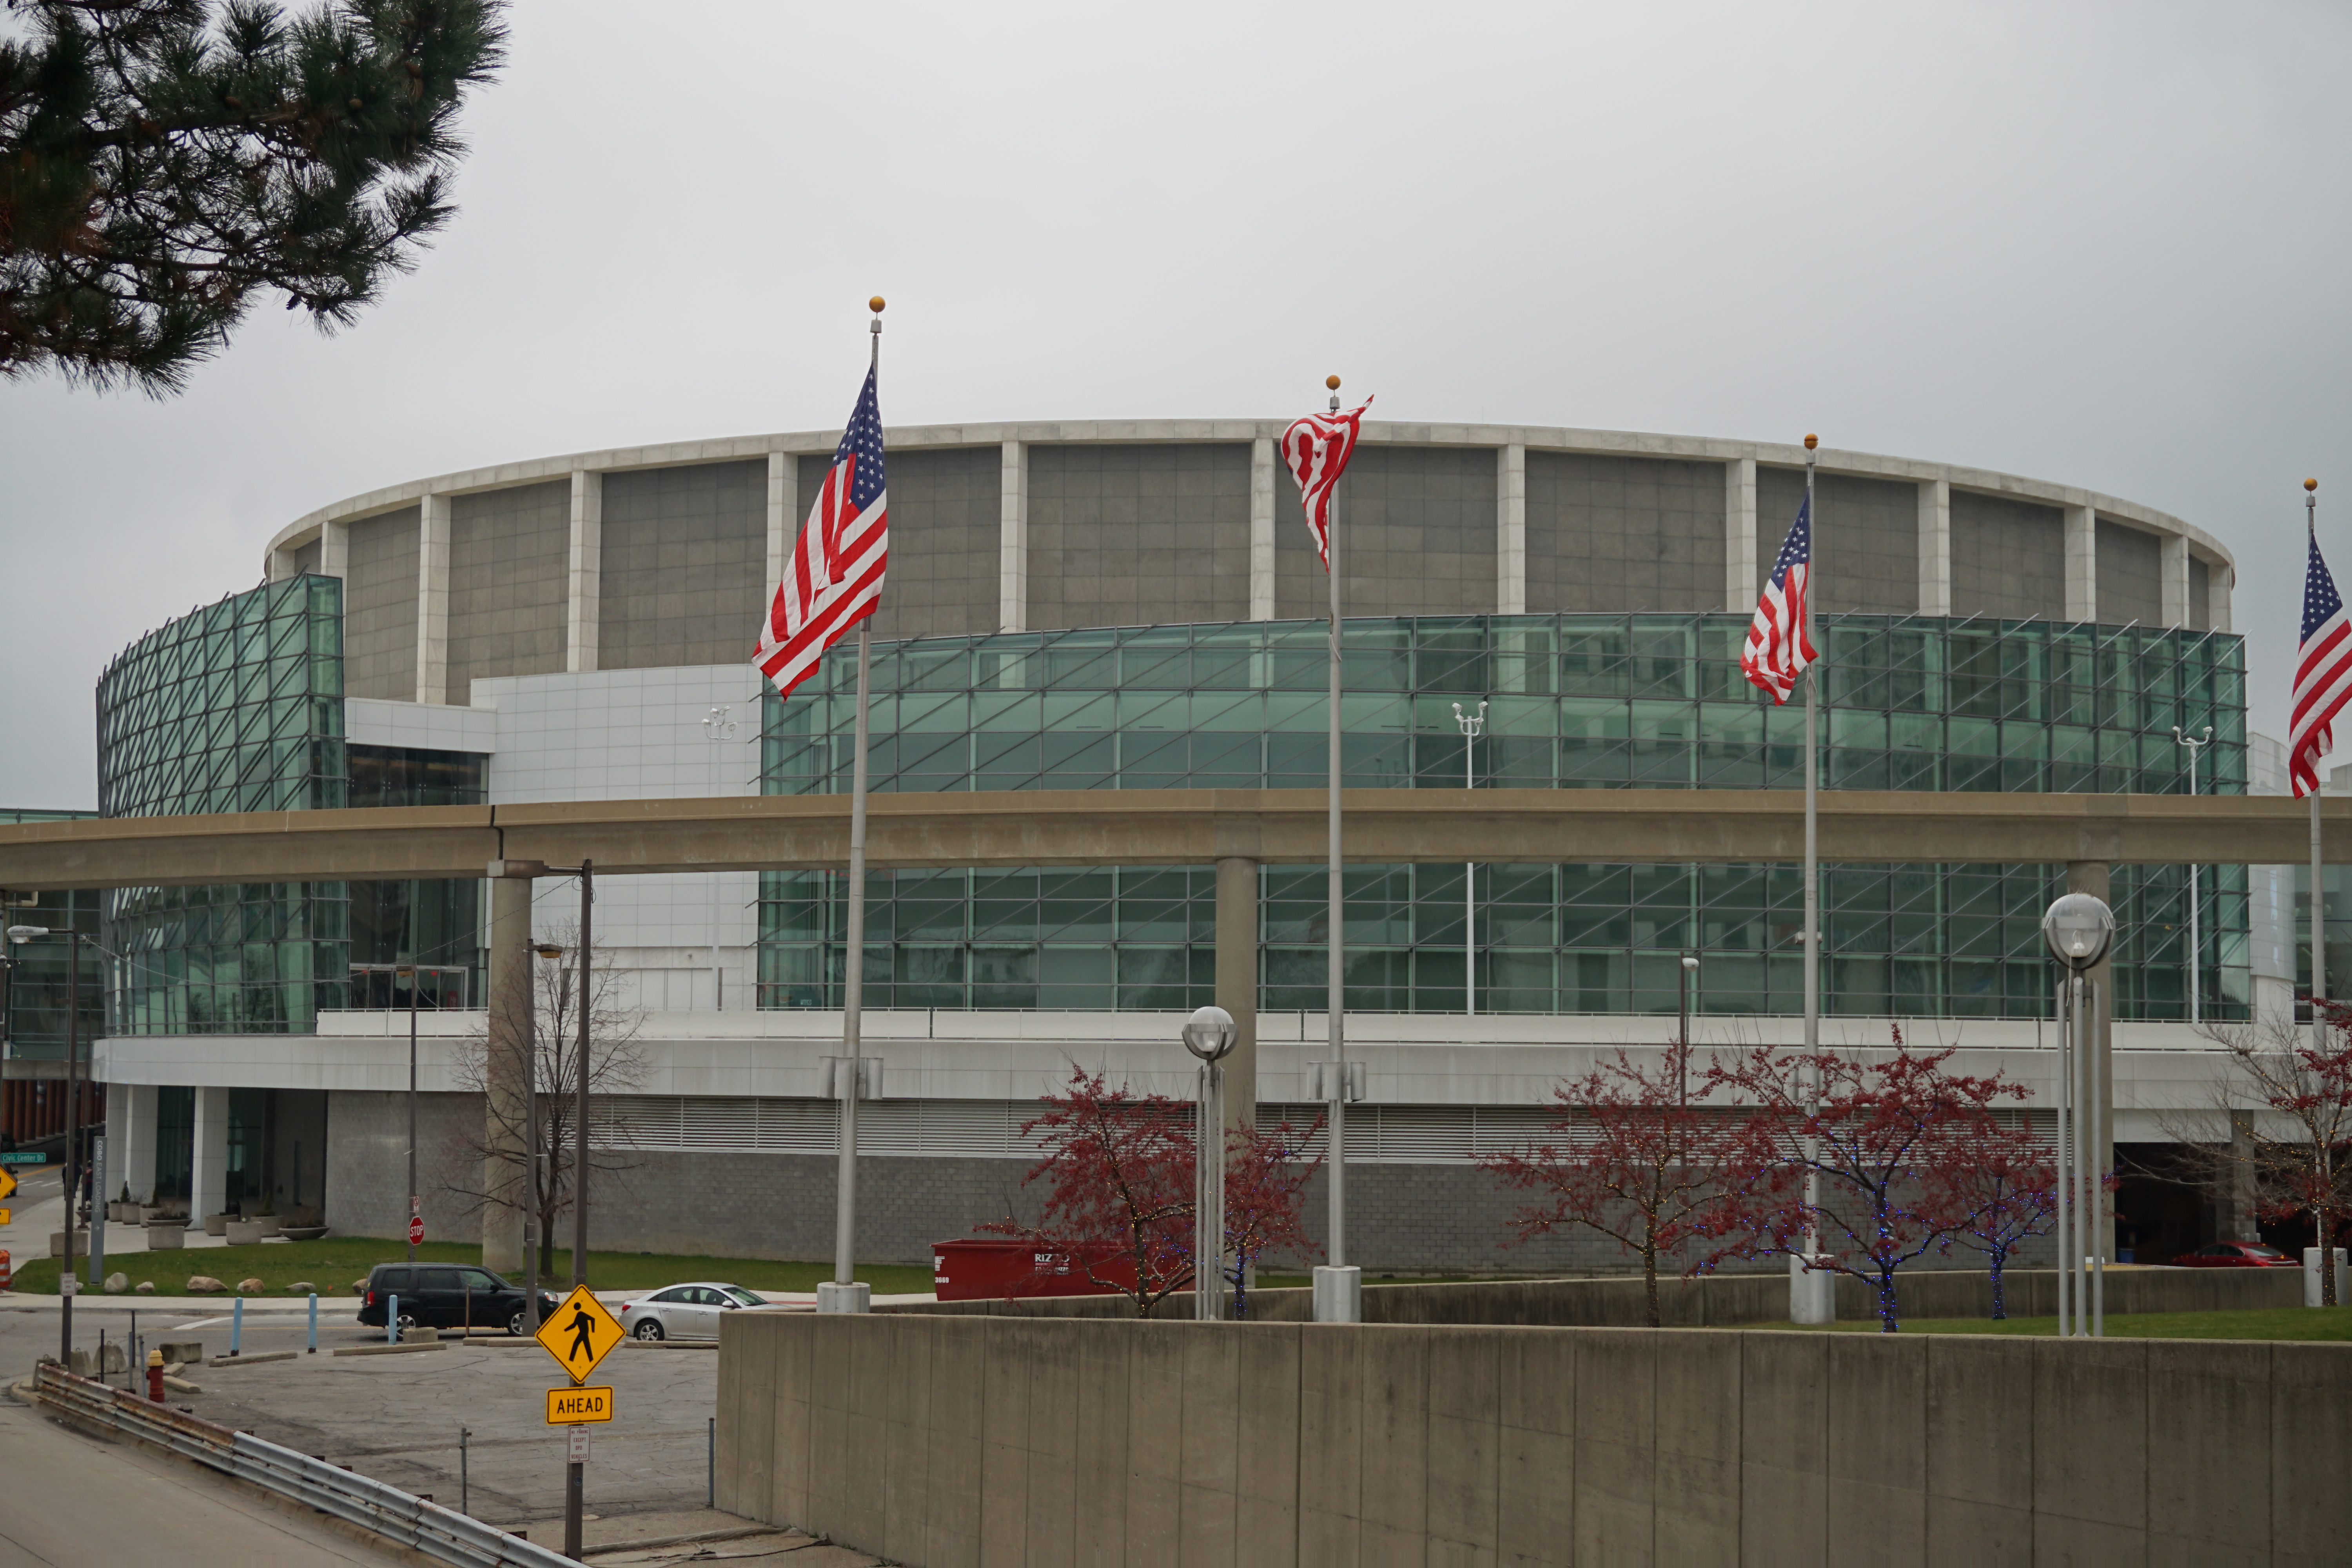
column 1811, row 441
column 874, row 304
column 2311, row 484
column 1332, row 382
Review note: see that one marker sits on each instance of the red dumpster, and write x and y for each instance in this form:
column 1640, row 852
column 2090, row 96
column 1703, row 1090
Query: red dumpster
column 984, row 1269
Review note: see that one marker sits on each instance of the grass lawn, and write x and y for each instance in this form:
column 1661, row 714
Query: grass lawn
column 2271, row 1323
column 332, row 1262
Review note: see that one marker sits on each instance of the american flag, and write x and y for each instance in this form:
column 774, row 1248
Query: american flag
column 2323, row 674
column 1778, row 648
column 834, row 579
column 1318, row 448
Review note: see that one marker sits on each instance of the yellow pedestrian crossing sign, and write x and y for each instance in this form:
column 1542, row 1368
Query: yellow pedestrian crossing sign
column 580, row 1333
column 7, row 1183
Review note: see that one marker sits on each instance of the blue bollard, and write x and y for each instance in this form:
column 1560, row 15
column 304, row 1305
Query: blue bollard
column 313, row 1349
column 392, row 1318
column 236, row 1325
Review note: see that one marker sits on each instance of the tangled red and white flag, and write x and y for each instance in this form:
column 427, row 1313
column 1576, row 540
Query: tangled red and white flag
column 2323, row 674
column 1318, row 448
column 1778, row 643
column 833, row 577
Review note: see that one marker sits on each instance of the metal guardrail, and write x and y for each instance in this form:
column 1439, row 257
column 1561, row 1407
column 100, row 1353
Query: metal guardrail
column 441, row 1533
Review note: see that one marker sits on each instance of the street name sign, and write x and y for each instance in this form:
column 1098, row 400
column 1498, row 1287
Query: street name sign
column 567, row 1406
column 580, row 1333
column 24, row 1157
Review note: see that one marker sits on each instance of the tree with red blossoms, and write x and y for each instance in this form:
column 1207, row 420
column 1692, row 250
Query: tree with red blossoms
column 1267, row 1174
column 1876, row 1133
column 1119, row 1175
column 2004, row 1180
column 1640, row 1164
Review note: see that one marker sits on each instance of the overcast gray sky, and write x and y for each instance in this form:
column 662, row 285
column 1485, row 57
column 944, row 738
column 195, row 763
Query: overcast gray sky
column 2101, row 245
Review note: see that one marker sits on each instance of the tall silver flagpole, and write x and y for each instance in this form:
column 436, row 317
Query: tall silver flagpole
column 1337, row 1298
column 844, row 1295
column 1812, row 852
column 2319, row 894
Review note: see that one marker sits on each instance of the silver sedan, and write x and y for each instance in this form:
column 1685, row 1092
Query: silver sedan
column 685, row 1312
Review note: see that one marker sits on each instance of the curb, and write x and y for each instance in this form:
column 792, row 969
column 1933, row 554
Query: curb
column 254, row 1360
column 392, row 1350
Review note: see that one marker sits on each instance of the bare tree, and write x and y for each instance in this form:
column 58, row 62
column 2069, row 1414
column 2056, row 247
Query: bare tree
column 2277, row 1126
column 616, row 1064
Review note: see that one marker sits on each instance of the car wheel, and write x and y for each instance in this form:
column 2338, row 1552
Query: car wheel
column 407, row 1322
column 519, row 1324
column 649, row 1329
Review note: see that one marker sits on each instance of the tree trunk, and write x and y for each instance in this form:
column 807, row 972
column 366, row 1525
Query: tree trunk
column 1650, row 1282
column 1999, row 1256
column 1886, row 1306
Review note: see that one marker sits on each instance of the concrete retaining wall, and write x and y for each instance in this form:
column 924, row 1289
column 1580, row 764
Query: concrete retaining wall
column 943, row 1440
column 1718, row 1300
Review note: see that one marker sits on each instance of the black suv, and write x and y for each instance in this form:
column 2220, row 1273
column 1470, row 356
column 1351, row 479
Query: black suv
column 447, row 1296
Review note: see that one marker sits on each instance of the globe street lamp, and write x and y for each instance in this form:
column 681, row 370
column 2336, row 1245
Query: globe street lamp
column 2079, row 929
column 1209, row 1034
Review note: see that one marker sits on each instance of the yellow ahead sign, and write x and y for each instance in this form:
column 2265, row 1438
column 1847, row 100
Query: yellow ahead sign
column 570, row 1407
column 581, row 1333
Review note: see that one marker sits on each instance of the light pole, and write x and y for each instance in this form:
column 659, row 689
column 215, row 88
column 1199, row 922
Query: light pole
column 2196, row 947
column 1209, row 1033
column 2079, row 929
column 1689, row 967
column 66, row 1284
column 722, row 728
column 1472, row 724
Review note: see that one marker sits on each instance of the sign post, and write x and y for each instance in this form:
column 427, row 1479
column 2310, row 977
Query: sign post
column 581, row 1334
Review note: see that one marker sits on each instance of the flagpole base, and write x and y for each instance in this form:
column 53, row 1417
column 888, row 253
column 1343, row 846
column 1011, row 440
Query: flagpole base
column 1813, row 1294
column 1338, row 1294
column 858, row 1297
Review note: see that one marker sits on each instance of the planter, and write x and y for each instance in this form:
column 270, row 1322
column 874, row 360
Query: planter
column 165, row 1235
column 242, row 1232
column 156, row 1214
column 270, row 1224
column 217, row 1225
column 303, row 1232
column 58, row 1244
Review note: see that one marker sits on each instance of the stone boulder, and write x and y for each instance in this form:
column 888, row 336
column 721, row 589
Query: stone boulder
column 302, row 1288
column 146, row 1288
column 116, row 1284
column 250, row 1286
column 359, row 1287
column 204, row 1285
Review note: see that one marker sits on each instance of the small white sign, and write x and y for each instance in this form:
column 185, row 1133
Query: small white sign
column 69, row 1286
column 578, row 1454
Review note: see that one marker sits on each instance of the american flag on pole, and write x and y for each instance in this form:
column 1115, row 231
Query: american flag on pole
column 834, row 578
column 1777, row 647
column 2323, row 674
column 1318, row 448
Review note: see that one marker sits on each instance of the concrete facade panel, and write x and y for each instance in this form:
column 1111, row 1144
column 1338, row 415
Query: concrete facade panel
column 1609, row 535
column 2130, row 577
column 510, row 571
column 1143, row 535
column 2009, row 558
column 2200, row 595
column 1865, row 540
column 1421, row 536
column 683, row 565
column 946, row 541
column 380, row 607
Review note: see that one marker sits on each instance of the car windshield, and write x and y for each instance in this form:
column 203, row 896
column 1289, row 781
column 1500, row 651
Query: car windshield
column 744, row 1297
column 2264, row 1252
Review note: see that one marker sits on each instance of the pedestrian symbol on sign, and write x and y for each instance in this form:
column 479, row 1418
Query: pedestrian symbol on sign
column 580, row 1333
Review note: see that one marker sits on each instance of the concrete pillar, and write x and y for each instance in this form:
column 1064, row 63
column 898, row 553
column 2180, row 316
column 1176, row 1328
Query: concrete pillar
column 783, row 511
column 1740, row 583
column 1260, row 535
column 508, row 1069
column 2219, row 579
column 2081, row 564
column 1012, row 540
column 1237, row 936
column 1935, row 547
column 282, row 565
column 584, row 592
column 2175, row 579
column 2091, row 877
column 2271, row 942
column 335, row 550
column 1511, row 531
column 130, row 1139
column 433, row 600
column 208, row 1180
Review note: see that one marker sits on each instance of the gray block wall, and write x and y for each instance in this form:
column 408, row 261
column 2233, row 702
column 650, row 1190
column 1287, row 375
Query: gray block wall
column 2131, row 575
column 1606, row 535
column 367, row 1163
column 380, row 607
column 1134, row 536
column 1865, row 540
column 2009, row 558
column 946, row 540
column 1420, row 526
column 685, row 565
column 510, row 576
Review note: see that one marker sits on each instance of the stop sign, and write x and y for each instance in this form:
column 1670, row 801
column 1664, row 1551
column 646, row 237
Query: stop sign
column 417, row 1230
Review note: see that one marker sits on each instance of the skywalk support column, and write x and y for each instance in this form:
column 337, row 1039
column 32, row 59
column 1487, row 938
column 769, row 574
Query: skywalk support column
column 1237, row 936
column 2099, row 1235
column 508, row 1073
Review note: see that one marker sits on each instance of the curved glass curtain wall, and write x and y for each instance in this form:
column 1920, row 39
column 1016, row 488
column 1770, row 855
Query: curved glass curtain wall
column 1579, row 702
column 239, row 706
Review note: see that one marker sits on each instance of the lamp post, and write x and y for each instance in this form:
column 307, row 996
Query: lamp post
column 66, row 1284
column 2079, row 929
column 1209, row 1034
column 1472, row 724
column 722, row 728
column 2196, row 946
column 1689, row 967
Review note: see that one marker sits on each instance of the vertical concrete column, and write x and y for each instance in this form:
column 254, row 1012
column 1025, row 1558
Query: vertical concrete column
column 1012, row 540
column 2218, row 581
column 584, row 581
column 2091, row 877
column 1237, row 935
column 2175, row 579
column 1740, row 584
column 130, row 1139
column 335, row 550
column 433, row 600
column 1261, row 534
column 2271, row 942
column 1935, row 547
column 208, row 1178
column 783, row 507
column 1511, row 531
column 2081, row 564
column 508, row 1073
column 280, row 567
